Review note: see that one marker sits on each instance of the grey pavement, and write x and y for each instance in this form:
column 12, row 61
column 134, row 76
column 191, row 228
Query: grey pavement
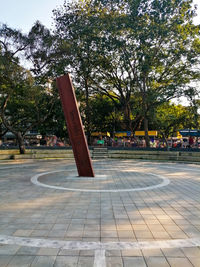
column 133, row 213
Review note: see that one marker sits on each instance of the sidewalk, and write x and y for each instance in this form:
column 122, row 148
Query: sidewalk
column 133, row 213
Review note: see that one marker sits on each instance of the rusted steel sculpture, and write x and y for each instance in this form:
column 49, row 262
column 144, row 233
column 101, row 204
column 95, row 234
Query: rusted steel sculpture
column 75, row 127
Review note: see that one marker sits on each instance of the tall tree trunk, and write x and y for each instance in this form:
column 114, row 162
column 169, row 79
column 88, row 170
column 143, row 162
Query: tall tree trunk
column 21, row 144
column 87, row 113
column 127, row 115
column 146, row 136
column 144, row 111
column 137, row 123
column 165, row 140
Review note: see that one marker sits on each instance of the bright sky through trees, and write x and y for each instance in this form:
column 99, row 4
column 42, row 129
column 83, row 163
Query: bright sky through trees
column 21, row 14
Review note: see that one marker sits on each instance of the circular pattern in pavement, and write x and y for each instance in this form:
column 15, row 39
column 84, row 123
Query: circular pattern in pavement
column 111, row 182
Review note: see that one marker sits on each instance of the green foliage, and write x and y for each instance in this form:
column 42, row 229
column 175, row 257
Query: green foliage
column 128, row 59
column 23, row 102
column 141, row 49
column 169, row 118
column 104, row 116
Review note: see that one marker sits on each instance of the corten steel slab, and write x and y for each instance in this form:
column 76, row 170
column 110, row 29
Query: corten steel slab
column 75, row 127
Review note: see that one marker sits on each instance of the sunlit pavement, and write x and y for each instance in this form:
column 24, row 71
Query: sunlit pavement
column 133, row 213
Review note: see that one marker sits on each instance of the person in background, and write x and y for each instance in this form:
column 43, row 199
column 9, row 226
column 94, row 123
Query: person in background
column 191, row 141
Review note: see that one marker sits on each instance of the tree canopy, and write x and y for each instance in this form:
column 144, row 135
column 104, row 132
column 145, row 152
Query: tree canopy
column 24, row 103
column 144, row 50
column 128, row 57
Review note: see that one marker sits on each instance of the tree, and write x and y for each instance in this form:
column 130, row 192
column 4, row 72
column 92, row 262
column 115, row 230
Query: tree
column 23, row 102
column 144, row 49
column 42, row 54
column 75, row 35
column 193, row 95
column 55, row 124
column 104, row 117
column 3, row 130
column 161, row 46
column 169, row 118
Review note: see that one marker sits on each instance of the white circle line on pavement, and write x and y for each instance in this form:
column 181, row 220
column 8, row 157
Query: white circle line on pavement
column 81, row 245
column 35, row 181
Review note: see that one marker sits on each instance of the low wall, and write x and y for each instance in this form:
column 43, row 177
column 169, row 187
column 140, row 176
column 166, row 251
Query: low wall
column 113, row 154
column 37, row 154
column 155, row 155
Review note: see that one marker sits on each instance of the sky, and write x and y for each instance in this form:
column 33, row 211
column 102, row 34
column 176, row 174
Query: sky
column 21, row 14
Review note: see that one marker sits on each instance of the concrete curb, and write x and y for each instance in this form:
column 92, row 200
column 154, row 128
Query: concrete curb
column 183, row 156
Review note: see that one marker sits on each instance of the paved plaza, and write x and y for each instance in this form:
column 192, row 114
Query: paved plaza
column 133, row 213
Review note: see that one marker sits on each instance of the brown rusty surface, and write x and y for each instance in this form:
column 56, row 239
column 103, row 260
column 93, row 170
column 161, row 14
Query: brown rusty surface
column 75, row 127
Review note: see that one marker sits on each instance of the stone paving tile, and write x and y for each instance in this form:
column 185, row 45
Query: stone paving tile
column 195, row 261
column 21, row 261
column 114, row 262
column 170, row 212
column 47, row 251
column 39, row 233
column 74, row 233
column 87, row 252
column 85, row 261
column 44, row 226
column 191, row 252
column 141, row 227
column 134, row 261
column 43, row 261
column 96, row 227
column 177, row 262
column 8, row 232
column 107, row 234
column 138, row 221
column 4, row 260
column 23, row 233
column 56, row 234
column 8, row 250
column 143, row 234
column 124, row 227
column 66, row 261
column 57, row 226
column 113, row 253
column 160, row 235
column 127, row 234
column 91, row 233
column 156, row 261
column 152, row 252
column 68, row 252
column 132, row 253
column 28, row 251
column 172, row 252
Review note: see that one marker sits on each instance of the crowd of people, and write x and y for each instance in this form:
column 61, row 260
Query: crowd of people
column 185, row 142
column 107, row 141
